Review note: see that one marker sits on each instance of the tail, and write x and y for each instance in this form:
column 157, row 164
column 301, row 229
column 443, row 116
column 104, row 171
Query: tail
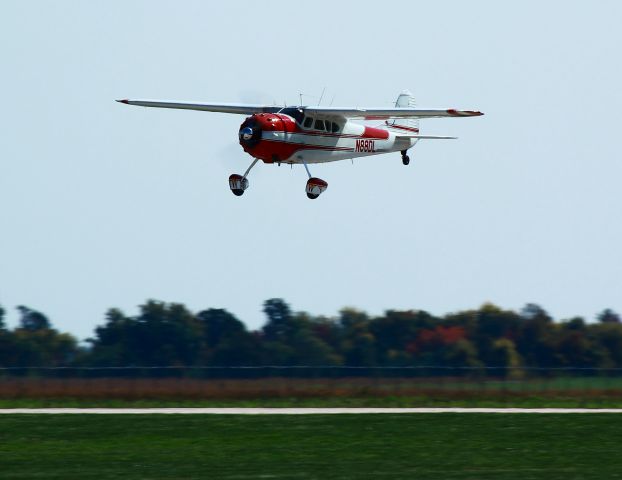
column 404, row 126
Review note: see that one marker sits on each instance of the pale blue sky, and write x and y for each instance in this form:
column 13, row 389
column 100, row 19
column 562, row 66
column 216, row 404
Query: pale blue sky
column 105, row 205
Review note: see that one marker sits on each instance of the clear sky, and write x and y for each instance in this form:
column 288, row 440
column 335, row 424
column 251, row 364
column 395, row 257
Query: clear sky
column 104, row 205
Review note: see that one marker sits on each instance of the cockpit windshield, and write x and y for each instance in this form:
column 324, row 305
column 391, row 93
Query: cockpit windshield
column 295, row 113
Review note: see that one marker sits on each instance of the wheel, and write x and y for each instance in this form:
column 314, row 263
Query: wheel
column 315, row 187
column 237, row 184
column 405, row 159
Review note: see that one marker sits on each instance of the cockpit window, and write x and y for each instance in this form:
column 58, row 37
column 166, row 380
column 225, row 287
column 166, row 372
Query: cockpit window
column 335, row 127
column 308, row 122
column 295, row 113
column 319, row 124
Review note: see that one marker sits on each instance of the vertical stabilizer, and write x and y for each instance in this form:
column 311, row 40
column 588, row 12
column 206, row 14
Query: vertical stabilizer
column 405, row 126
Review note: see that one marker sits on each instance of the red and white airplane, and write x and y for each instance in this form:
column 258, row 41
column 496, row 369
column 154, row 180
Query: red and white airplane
column 306, row 134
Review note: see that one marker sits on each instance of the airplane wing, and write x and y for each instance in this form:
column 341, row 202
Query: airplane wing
column 239, row 108
column 364, row 113
column 384, row 113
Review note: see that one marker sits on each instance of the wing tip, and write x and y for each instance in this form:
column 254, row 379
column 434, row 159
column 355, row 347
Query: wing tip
column 464, row 113
column 125, row 100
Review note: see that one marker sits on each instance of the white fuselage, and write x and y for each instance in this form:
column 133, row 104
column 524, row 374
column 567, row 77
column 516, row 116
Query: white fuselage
column 327, row 140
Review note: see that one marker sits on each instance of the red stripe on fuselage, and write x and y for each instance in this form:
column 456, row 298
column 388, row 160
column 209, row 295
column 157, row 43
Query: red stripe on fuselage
column 409, row 129
column 377, row 133
column 341, row 135
column 271, row 151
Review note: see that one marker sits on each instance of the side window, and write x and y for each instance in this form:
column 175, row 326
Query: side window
column 319, row 124
column 308, row 122
column 335, row 127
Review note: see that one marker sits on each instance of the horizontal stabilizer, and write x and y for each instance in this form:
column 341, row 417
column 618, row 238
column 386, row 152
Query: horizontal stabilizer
column 428, row 137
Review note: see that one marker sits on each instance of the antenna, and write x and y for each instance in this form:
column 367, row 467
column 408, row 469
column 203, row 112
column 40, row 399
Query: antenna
column 321, row 96
column 306, row 95
column 300, row 98
column 331, row 102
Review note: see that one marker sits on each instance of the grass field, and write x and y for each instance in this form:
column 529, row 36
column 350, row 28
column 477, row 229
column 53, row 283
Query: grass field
column 447, row 446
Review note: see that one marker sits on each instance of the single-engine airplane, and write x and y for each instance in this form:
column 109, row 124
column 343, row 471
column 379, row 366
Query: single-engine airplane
column 318, row 134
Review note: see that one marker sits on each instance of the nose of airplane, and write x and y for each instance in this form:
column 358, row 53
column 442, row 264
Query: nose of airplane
column 246, row 133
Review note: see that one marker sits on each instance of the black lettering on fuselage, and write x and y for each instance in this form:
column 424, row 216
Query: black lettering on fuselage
column 366, row 146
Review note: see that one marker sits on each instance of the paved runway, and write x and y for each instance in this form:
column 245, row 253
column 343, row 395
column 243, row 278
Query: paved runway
column 294, row 411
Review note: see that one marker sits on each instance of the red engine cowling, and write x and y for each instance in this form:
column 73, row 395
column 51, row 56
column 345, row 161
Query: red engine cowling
column 251, row 136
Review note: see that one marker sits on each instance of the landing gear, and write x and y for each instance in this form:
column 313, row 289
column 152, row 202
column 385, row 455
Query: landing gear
column 405, row 158
column 239, row 183
column 315, row 186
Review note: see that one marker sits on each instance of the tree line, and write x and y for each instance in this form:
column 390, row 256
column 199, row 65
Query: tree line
column 169, row 334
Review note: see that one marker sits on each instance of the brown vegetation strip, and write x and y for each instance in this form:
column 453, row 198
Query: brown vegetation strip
column 185, row 388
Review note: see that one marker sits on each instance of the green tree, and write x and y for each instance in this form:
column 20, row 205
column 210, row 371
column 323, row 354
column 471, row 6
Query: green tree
column 508, row 358
column 31, row 319
column 6, row 342
column 42, row 348
column 608, row 316
column 219, row 324
column 609, row 337
column 310, row 349
column 576, row 346
column 535, row 339
column 461, row 353
column 484, row 327
column 396, row 331
column 227, row 342
column 280, row 323
column 357, row 345
column 161, row 335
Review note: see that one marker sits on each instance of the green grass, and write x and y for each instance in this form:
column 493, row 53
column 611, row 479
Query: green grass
column 447, row 446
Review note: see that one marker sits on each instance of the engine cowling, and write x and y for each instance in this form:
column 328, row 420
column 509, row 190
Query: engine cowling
column 254, row 128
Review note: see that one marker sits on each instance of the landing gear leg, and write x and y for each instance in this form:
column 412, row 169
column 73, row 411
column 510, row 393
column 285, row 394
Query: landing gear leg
column 405, row 157
column 239, row 183
column 315, row 186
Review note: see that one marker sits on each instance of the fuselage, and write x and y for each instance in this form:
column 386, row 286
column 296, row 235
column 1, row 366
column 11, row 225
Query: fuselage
column 290, row 136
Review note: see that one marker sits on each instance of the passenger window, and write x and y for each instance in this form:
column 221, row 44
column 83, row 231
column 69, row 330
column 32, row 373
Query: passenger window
column 308, row 122
column 335, row 127
column 319, row 124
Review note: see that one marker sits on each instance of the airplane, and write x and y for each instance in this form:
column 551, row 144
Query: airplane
column 319, row 134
